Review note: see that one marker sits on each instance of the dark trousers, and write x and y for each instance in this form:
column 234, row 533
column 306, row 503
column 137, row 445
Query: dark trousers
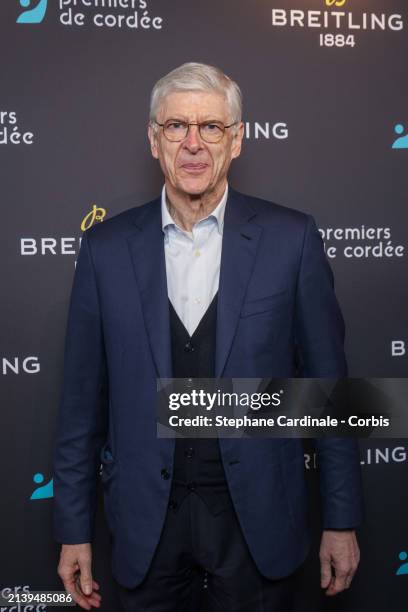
column 205, row 557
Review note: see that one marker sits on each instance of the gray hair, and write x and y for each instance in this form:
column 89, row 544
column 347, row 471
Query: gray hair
column 197, row 77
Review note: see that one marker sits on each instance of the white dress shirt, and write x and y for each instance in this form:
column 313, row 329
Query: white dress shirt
column 193, row 262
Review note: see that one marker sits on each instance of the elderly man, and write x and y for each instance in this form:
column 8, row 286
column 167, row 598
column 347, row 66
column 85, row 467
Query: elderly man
column 201, row 282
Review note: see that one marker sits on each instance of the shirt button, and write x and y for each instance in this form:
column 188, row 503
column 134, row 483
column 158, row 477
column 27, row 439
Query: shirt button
column 189, row 452
column 188, row 347
column 165, row 474
column 197, row 301
column 197, row 253
column 191, row 486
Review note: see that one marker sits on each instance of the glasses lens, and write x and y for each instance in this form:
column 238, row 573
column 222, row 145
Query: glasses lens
column 212, row 131
column 175, row 130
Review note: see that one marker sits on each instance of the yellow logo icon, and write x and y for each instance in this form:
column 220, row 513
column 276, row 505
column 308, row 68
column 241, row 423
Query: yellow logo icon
column 96, row 214
column 335, row 2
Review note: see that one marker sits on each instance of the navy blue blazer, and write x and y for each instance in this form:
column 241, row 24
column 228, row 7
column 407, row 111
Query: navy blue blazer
column 276, row 300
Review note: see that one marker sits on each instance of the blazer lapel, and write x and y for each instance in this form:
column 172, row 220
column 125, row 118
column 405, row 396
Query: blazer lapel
column 147, row 253
column 239, row 246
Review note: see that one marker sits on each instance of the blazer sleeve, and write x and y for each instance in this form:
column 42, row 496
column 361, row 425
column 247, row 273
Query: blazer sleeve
column 82, row 417
column 319, row 332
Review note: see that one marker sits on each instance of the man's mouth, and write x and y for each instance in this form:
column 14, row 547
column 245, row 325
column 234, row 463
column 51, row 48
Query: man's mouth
column 194, row 167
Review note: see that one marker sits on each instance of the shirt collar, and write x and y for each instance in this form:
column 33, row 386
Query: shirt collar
column 218, row 213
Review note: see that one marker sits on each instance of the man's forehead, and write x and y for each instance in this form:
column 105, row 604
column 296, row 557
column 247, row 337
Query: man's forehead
column 186, row 103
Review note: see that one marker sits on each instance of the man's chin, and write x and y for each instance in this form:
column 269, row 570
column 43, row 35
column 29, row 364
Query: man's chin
column 194, row 186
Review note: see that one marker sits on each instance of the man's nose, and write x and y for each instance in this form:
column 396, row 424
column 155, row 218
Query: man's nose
column 193, row 140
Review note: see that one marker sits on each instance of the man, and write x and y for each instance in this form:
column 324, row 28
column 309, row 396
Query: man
column 201, row 282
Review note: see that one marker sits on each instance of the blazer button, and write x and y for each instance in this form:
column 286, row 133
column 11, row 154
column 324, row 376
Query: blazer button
column 189, row 347
column 189, row 452
column 192, row 486
column 165, row 474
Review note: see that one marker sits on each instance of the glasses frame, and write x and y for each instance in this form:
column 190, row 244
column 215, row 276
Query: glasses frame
column 162, row 125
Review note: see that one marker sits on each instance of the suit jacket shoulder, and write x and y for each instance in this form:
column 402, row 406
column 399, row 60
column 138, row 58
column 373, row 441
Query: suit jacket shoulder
column 123, row 224
column 271, row 212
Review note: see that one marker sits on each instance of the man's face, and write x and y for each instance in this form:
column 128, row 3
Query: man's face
column 194, row 166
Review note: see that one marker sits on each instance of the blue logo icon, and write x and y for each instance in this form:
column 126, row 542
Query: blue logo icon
column 403, row 569
column 402, row 141
column 44, row 492
column 32, row 15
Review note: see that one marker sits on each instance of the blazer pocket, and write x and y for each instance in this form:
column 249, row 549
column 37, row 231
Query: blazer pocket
column 253, row 307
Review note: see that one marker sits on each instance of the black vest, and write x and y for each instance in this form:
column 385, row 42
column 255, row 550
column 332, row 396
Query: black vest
column 198, row 465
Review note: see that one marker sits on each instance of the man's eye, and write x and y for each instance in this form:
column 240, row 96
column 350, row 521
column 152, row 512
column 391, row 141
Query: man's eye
column 175, row 126
column 211, row 127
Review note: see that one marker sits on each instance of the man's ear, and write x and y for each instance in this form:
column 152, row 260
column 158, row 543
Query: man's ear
column 151, row 133
column 237, row 141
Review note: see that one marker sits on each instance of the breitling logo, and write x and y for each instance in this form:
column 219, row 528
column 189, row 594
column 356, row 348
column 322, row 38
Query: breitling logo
column 335, row 2
column 95, row 215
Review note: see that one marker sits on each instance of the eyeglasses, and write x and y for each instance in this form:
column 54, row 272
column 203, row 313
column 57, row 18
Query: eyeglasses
column 210, row 131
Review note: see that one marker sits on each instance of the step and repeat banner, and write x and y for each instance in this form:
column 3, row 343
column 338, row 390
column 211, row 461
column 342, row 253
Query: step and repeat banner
column 326, row 131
